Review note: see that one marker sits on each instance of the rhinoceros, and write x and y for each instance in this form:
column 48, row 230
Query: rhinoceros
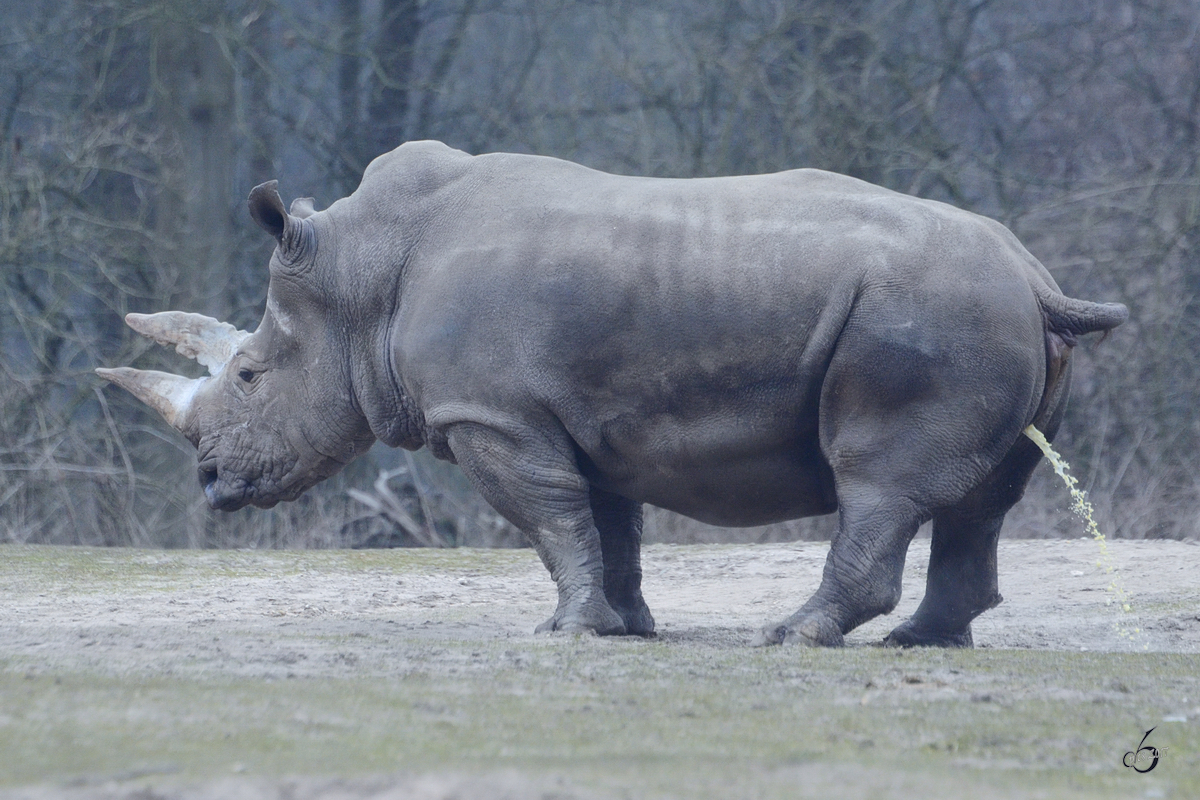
column 740, row 350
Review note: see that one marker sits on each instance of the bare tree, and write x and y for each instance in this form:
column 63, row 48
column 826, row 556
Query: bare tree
column 131, row 134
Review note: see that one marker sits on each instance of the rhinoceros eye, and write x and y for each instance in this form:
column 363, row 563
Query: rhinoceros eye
column 246, row 375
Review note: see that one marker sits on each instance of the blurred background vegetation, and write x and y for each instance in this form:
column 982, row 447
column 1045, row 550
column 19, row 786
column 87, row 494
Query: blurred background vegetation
column 131, row 132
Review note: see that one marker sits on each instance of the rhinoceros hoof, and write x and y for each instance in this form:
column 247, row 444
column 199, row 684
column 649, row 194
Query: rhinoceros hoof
column 637, row 619
column 810, row 631
column 592, row 619
column 909, row 634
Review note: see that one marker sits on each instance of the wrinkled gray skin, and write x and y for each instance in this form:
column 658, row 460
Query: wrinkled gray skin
column 740, row 350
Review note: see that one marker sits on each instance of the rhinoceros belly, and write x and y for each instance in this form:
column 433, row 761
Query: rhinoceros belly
column 726, row 469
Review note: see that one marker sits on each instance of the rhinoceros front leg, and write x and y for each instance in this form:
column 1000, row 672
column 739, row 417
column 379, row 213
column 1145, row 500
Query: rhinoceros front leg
column 619, row 521
column 530, row 479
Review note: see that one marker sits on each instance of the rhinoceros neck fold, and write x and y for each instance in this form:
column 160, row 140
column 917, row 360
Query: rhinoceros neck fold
column 393, row 416
column 365, row 298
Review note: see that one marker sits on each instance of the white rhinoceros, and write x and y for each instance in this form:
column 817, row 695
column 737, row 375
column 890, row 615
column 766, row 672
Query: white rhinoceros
column 741, row 350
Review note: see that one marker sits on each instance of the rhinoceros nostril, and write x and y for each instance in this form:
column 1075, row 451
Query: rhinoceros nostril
column 208, row 476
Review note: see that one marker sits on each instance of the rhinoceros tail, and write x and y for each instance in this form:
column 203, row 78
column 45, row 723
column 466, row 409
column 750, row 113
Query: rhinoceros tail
column 1065, row 319
column 1069, row 317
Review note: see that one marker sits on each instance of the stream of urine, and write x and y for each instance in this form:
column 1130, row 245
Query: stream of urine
column 1083, row 509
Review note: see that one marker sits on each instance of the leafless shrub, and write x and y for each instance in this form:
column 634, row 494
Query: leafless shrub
column 421, row 503
column 129, row 137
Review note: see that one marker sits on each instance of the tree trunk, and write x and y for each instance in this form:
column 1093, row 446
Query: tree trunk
column 197, row 101
column 400, row 23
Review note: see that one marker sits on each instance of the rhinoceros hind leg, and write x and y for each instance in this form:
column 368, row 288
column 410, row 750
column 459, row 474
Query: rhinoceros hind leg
column 919, row 421
column 862, row 572
column 961, row 583
column 911, row 634
column 619, row 521
column 962, row 579
column 526, row 477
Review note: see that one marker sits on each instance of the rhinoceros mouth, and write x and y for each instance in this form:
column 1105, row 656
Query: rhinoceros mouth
column 231, row 494
column 221, row 499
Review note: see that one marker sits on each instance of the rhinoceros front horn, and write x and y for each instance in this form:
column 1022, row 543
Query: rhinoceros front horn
column 169, row 395
column 210, row 342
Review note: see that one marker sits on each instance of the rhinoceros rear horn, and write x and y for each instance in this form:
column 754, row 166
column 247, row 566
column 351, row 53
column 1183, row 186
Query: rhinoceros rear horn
column 210, row 342
column 169, row 395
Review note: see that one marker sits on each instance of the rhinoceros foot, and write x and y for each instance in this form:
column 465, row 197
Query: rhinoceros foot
column 808, row 629
column 911, row 634
column 637, row 618
column 584, row 617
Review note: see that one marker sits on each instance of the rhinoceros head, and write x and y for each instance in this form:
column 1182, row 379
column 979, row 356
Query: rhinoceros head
column 274, row 416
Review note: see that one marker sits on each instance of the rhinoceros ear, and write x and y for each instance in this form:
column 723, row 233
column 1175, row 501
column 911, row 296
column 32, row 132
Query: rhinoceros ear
column 266, row 208
column 303, row 207
column 292, row 231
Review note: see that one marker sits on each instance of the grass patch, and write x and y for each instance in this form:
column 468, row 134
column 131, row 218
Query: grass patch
column 664, row 718
column 97, row 691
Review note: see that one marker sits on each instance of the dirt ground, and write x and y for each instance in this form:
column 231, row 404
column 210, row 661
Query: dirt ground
column 356, row 674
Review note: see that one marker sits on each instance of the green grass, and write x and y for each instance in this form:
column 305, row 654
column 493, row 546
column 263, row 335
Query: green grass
column 682, row 720
column 680, row 716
